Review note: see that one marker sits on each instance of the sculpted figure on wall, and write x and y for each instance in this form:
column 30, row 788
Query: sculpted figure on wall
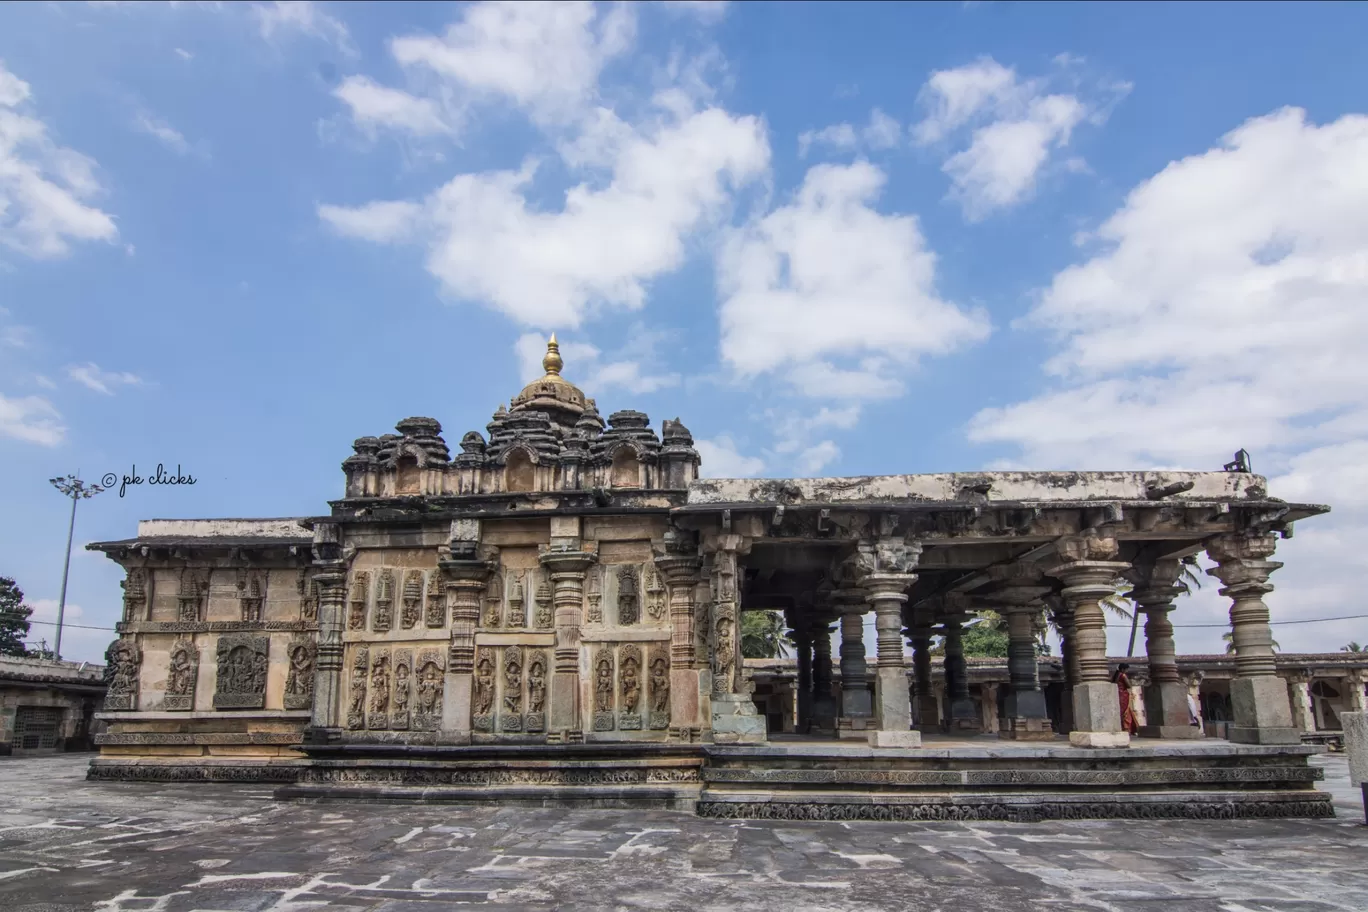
column 593, row 589
column 536, row 692
column 181, row 675
column 378, row 717
column 403, row 673
column 194, row 589
column 356, row 709
column 655, row 594
column 660, row 688
column 384, row 601
column 629, row 611
column 299, row 680
column 251, row 591
column 436, row 601
column 629, row 679
column 413, row 598
column 126, row 659
column 308, row 598
column 494, row 600
column 242, row 663
column 135, row 595
column 427, row 715
column 482, row 703
column 517, row 612
column 603, row 690
column 511, row 718
column 356, row 605
column 544, row 615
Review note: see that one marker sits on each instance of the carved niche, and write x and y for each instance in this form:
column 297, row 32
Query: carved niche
column 413, row 599
column 384, row 601
column 251, row 590
column 536, row 690
column 494, row 593
column 655, row 594
column 356, row 602
column 603, row 690
column 181, row 676
column 545, row 618
column 511, row 720
column 427, row 710
column 135, row 595
column 660, row 688
column 436, row 601
column 377, row 718
column 628, row 598
column 482, row 700
column 126, row 659
column 629, row 684
column 356, row 705
column 194, row 591
column 308, row 597
column 517, row 611
column 593, row 589
column 403, row 690
column 242, row 663
column 299, row 680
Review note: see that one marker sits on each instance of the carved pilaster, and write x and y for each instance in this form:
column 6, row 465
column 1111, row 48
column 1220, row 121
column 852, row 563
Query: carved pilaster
column 824, row 707
column 465, row 581
column 681, row 584
column 892, row 700
column 331, row 580
column 734, row 716
column 567, row 567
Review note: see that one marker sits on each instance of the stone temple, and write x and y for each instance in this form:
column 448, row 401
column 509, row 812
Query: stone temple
column 553, row 614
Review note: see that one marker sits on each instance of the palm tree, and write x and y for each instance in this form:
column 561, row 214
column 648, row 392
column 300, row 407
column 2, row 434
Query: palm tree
column 1353, row 647
column 763, row 636
column 1229, row 638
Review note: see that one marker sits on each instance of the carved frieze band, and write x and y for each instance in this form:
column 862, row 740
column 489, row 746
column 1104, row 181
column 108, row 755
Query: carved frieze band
column 420, row 776
column 1196, row 808
column 1062, row 777
column 216, row 626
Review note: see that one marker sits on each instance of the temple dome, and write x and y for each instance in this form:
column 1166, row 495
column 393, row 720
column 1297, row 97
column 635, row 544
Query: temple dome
column 553, row 394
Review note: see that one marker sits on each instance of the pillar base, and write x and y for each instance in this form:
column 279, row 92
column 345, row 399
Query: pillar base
column 1171, row 732
column 735, row 720
column 1356, row 746
column 892, row 703
column 1027, row 729
column 1099, row 739
column 965, row 718
column 1263, row 714
column 928, row 713
column 1096, row 710
column 854, row 729
column 881, row 738
column 1288, row 735
column 1166, row 709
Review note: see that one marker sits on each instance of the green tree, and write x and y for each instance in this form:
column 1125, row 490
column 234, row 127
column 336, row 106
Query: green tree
column 14, row 618
column 983, row 640
column 762, row 635
column 1353, row 646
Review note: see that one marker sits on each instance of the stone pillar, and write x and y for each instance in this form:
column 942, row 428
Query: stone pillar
column 681, row 582
column 824, row 708
column 1353, row 691
column 566, row 565
column 964, row 717
column 327, row 695
column 928, row 706
column 802, row 641
column 734, row 716
column 857, row 709
column 1165, row 697
column 892, row 703
column 1026, row 717
column 465, row 586
column 1089, row 575
column 1258, row 698
column 1299, row 696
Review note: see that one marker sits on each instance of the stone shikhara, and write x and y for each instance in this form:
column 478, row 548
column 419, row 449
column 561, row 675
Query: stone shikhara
column 570, row 583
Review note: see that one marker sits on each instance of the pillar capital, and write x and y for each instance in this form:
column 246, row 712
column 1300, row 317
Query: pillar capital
column 1156, row 584
column 469, row 572
column 557, row 560
column 886, row 587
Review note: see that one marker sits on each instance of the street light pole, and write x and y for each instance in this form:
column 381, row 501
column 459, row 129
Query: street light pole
column 72, row 487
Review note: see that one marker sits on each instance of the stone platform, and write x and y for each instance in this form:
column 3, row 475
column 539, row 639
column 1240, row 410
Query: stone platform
column 948, row 779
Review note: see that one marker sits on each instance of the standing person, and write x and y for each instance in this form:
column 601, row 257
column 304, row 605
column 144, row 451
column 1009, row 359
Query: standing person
column 1122, row 682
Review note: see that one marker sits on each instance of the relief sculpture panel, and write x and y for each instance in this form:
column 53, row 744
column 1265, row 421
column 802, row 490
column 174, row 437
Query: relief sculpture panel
column 427, row 712
column 299, row 680
column 377, row 718
column 494, row 594
column 126, row 667
column 660, row 688
column 242, row 664
column 436, row 601
column 537, row 664
column 629, row 683
column 413, row 600
column 356, row 705
column 482, row 698
column 384, row 601
column 356, row 602
column 544, row 619
column 510, row 719
column 603, row 690
column 629, row 606
column 181, row 676
column 403, row 682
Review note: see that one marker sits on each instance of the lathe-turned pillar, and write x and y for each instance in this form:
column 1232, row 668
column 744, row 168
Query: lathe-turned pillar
column 734, row 716
column 681, row 574
column 1166, row 708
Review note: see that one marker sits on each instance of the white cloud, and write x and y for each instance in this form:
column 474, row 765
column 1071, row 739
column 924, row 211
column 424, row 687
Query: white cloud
column 379, row 222
column 168, row 135
column 44, row 187
column 184, row 54
column 79, row 643
column 707, row 10
column 827, row 276
column 279, row 19
column 101, row 381
column 1225, row 309
column 882, row 132
column 817, row 457
column 31, row 418
column 373, row 105
column 486, row 242
column 1017, row 126
column 722, row 460
column 545, row 57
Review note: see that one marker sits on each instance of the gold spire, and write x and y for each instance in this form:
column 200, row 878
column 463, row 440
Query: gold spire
column 552, row 362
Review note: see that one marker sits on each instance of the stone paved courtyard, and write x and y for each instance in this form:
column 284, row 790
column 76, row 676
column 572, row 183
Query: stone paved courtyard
column 66, row 844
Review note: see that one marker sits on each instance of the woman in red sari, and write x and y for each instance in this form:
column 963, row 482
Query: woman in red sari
column 1122, row 682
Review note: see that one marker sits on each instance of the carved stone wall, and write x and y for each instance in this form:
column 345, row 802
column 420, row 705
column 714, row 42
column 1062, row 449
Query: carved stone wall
column 251, row 594
column 193, row 594
column 356, row 690
column 242, row 663
column 412, row 610
column 126, row 659
column 429, row 680
column 358, row 598
column 383, row 617
column 631, row 687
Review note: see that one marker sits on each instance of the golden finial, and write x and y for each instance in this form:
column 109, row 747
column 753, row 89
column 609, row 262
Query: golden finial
column 552, row 362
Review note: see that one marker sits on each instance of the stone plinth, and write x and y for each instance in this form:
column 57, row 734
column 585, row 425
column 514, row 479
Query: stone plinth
column 1097, row 716
column 1027, row 718
column 881, row 738
column 735, row 720
column 1356, row 745
column 1262, row 712
column 1166, row 712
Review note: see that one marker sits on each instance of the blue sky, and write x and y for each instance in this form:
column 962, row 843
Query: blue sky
column 832, row 238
